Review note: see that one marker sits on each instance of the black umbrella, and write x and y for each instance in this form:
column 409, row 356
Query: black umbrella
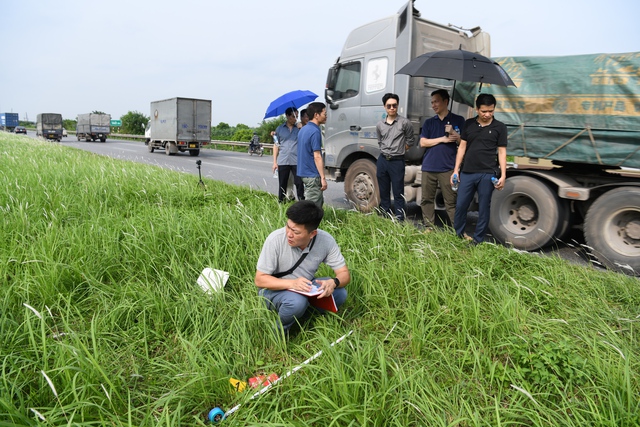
column 458, row 65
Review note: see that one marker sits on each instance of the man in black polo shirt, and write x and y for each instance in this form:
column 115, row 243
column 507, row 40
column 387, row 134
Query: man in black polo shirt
column 482, row 138
column 395, row 135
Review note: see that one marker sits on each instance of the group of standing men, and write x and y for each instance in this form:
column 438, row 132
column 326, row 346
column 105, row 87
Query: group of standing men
column 473, row 150
column 298, row 151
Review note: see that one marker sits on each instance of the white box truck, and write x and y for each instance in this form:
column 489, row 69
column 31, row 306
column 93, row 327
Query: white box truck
column 179, row 125
column 93, row 126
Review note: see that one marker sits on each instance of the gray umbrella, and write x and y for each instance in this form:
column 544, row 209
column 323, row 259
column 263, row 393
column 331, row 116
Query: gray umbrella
column 458, row 65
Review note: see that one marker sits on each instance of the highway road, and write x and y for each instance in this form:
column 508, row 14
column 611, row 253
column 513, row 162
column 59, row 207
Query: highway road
column 227, row 166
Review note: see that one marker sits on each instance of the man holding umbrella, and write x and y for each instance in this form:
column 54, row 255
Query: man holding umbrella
column 441, row 136
column 285, row 155
column 482, row 136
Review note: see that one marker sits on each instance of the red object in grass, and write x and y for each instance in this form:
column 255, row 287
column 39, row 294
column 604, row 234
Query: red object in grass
column 255, row 382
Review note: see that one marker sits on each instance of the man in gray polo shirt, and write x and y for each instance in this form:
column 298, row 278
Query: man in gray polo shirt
column 395, row 136
column 281, row 252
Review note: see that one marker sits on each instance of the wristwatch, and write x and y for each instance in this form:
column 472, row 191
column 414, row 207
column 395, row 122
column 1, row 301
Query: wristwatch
column 336, row 281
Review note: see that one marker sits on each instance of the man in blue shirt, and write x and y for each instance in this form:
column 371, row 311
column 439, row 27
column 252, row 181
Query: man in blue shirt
column 310, row 163
column 441, row 136
column 285, row 155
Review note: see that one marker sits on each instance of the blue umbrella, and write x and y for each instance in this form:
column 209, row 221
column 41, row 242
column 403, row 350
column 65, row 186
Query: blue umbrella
column 295, row 99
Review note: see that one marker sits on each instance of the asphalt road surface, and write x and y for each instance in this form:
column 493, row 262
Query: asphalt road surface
column 227, row 166
column 255, row 172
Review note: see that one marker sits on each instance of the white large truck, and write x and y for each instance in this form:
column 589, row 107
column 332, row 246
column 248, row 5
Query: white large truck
column 178, row 125
column 363, row 73
column 93, row 127
column 574, row 126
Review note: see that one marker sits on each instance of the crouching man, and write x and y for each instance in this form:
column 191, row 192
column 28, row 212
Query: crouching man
column 291, row 257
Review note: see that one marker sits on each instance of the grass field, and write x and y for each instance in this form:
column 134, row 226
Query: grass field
column 102, row 323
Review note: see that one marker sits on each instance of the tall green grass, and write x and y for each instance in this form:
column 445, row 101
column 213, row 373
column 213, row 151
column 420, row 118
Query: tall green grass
column 102, row 323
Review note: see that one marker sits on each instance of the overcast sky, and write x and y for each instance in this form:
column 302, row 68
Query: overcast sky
column 77, row 56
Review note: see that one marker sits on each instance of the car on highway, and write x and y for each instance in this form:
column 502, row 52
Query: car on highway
column 64, row 132
column 20, row 129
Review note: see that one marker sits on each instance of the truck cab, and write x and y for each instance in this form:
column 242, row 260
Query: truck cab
column 364, row 72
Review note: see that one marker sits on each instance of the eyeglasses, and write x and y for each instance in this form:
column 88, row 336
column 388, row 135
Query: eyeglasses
column 390, row 106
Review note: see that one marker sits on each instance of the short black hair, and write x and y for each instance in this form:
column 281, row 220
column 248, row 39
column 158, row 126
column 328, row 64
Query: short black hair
column 306, row 213
column 485, row 99
column 290, row 111
column 315, row 108
column 303, row 113
column 444, row 95
column 388, row 96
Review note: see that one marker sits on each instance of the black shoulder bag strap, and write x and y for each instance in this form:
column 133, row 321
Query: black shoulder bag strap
column 302, row 257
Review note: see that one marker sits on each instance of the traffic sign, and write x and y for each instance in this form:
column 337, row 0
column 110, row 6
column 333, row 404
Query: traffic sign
column 116, row 123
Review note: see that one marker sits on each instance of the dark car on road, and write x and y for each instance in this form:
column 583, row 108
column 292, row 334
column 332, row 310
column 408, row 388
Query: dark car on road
column 20, row 129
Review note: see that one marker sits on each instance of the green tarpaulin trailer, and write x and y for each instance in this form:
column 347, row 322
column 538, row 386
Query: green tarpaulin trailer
column 582, row 114
column 583, row 108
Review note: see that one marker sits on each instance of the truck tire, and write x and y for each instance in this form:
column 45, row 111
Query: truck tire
column 194, row 153
column 150, row 147
column 361, row 185
column 78, row 137
column 612, row 229
column 103, row 139
column 528, row 214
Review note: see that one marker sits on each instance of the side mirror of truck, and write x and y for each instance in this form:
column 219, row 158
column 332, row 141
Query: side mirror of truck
column 328, row 96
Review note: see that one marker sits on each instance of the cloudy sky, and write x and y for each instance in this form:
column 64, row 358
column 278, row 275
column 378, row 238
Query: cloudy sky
column 77, row 56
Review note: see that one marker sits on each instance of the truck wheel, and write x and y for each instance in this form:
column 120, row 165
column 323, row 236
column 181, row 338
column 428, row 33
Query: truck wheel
column 150, row 147
column 194, row 153
column 528, row 214
column 612, row 229
column 103, row 139
column 78, row 138
column 361, row 185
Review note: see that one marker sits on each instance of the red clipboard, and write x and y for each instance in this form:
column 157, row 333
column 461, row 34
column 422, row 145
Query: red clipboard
column 326, row 303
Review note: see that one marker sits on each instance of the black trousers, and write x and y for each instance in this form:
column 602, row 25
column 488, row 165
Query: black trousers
column 283, row 180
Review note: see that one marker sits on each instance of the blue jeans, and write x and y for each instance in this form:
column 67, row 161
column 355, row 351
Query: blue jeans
column 469, row 184
column 292, row 306
column 390, row 175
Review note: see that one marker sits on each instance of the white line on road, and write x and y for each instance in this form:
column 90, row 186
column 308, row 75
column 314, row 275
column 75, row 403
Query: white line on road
column 224, row 166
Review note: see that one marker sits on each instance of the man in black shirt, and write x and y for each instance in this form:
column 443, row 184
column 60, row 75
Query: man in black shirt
column 482, row 154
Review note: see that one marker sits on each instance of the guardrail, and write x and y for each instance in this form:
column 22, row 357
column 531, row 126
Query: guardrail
column 213, row 142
